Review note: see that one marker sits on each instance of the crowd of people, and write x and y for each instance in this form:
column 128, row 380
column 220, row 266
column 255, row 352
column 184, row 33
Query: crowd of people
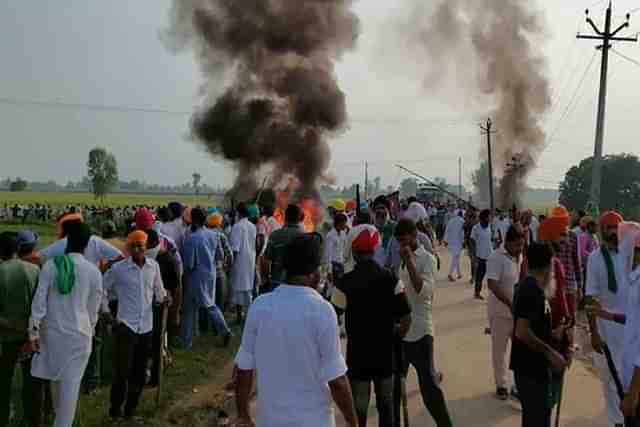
column 369, row 278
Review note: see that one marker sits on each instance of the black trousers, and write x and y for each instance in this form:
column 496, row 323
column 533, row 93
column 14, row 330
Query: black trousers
column 31, row 403
column 481, row 271
column 419, row 354
column 535, row 396
column 361, row 391
column 131, row 352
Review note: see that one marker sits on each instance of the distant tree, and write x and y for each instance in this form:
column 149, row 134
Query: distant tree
column 620, row 184
column 18, row 185
column 408, row 187
column 196, row 181
column 102, row 172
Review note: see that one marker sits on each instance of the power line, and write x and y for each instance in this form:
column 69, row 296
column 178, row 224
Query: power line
column 573, row 97
column 628, row 58
column 92, row 107
column 137, row 109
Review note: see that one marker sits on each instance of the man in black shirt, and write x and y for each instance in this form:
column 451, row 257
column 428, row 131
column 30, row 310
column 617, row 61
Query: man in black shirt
column 377, row 309
column 275, row 272
column 532, row 356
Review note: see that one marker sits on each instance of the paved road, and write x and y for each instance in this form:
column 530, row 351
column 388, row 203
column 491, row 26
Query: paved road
column 463, row 354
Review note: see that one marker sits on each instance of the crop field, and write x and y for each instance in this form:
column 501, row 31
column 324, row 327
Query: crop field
column 118, row 199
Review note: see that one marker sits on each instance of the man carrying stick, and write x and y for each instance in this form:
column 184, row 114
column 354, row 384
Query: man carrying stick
column 606, row 283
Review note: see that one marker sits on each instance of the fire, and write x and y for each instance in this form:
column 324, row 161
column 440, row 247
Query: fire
column 307, row 222
column 279, row 216
column 312, row 209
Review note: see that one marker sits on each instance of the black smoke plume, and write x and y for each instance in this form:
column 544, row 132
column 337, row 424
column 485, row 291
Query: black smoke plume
column 490, row 49
column 271, row 95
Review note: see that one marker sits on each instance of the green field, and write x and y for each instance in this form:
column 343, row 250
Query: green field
column 118, row 199
column 47, row 232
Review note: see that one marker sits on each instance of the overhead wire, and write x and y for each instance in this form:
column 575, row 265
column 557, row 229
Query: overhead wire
column 571, row 101
column 628, row 58
column 444, row 121
column 565, row 78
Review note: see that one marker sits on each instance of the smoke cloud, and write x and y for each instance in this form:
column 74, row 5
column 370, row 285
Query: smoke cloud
column 489, row 49
column 270, row 90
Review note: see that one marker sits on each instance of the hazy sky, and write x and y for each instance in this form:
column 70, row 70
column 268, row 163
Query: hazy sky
column 109, row 53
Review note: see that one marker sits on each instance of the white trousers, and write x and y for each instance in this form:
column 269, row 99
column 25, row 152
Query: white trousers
column 454, row 263
column 65, row 401
column 501, row 331
column 609, row 389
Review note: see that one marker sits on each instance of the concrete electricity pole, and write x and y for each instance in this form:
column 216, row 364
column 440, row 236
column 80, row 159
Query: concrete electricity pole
column 606, row 36
column 366, row 180
column 486, row 130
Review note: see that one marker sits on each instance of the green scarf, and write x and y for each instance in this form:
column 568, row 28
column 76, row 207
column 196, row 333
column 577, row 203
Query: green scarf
column 66, row 277
column 611, row 273
column 387, row 233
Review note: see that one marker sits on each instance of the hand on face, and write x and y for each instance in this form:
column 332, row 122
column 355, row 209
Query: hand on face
column 610, row 234
column 405, row 252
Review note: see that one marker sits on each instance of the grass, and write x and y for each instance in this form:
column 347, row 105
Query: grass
column 118, row 199
column 192, row 388
column 46, row 231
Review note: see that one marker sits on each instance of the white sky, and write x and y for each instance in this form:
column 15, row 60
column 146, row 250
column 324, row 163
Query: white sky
column 108, row 53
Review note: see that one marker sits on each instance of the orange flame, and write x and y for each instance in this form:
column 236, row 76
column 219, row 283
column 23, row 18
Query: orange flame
column 312, row 209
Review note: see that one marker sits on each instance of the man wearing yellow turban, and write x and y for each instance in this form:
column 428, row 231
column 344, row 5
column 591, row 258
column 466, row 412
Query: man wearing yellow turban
column 214, row 223
column 606, row 283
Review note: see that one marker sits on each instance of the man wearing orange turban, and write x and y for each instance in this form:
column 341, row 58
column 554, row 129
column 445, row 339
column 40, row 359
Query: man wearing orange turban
column 567, row 251
column 66, row 218
column 135, row 283
column 214, row 223
column 606, row 283
column 555, row 231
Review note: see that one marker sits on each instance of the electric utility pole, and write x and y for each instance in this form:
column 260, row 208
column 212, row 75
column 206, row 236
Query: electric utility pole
column 366, row 180
column 486, row 130
column 606, row 36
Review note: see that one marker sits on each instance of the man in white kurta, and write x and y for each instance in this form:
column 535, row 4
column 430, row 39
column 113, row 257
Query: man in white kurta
column 631, row 353
column 64, row 313
column 454, row 239
column 613, row 298
column 243, row 245
column 292, row 346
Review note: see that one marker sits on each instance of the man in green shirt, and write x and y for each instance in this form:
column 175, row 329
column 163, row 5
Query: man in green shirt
column 274, row 256
column 18, row 281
